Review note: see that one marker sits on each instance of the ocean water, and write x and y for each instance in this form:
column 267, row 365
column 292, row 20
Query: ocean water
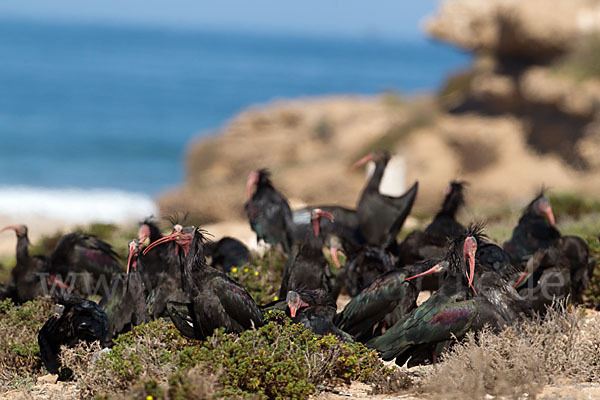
column 113, row 107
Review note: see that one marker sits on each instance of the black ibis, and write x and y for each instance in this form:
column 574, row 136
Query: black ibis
column 215, row 300
column 126, row 307
column 169, row 252
column 315, row 309
column 431, row 242
column 79, row 262
column 74, row 320
column 381, row 217
column 341, row 234
column 80, row 254
column 364, row 266
column 268, row 211
column 382, row 303
column 307, row 266
column 227, row 253
column 155, row 263
column 28, row 278
column 453, row 310
column 536, row 230
column 555, row 273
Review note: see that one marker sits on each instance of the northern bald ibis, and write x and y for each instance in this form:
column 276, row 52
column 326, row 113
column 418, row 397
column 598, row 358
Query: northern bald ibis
column 453, row 310
column 170, row 253
column 27, row 278
column 315, row 309
column 79, row 262
column 228, row 253
column 306, row 266
column 216, row 300
column 74, row 320
column 155, row 263
column 126, row 307
column 536, row 230
column 381, row 217
column 431, row 243
column 556, row 272
column 80, row 253
column 341, row 234
column 363, row 267
column 268, row 211
column 381, row 304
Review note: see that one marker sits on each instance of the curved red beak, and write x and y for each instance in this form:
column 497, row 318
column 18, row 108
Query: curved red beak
column 295, row 306
column 362, row 161
column 316, row 216
column 547, row 209
column 334, row 256
column 437, row 268
column 183, row 239
column 521, row 279
column 13, row 227
column 250, row 183
column 469, row 250
column 169, row 238
column 132, row 251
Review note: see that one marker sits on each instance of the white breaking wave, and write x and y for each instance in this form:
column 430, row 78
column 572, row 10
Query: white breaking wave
column 76, row 205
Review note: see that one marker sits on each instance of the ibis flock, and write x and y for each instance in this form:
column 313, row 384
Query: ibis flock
column 185, row 277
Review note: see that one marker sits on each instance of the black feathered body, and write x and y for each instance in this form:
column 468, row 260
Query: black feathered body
column 81, row 320
column 216, row 301
column 532, row 233
column 370, row 263
column 381, row 217
column 431, row 243
column 127, row 306
column 270, row 215
column 319, row 314
column 379, row 306
column 85, row 263
column 306, row 268
column 228, row 253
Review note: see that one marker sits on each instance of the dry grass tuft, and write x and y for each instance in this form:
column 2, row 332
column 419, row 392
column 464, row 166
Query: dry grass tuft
column 19, row 350
column 149, row 352
column 278, row 360
column 565, row 346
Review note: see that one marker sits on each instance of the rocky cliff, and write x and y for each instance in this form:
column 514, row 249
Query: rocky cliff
column 527, row 112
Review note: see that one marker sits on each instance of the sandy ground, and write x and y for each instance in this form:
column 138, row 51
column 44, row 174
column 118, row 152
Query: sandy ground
column 46, row 388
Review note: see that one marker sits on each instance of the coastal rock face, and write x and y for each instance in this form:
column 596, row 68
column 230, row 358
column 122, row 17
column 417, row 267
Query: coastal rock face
column 309, row 162
column 526, row 113
column 535, row 30
column 536, row 61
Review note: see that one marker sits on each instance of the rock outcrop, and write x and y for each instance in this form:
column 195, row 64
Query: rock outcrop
column 537, row 61
column 532, row 30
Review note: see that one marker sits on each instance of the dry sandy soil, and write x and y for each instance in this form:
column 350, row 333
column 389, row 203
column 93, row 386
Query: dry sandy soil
column 46, row 388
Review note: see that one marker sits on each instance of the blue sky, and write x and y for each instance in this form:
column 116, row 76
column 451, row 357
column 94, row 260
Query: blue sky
column 393, row 19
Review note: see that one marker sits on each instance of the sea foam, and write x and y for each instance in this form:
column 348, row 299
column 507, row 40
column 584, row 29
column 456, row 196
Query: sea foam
column 75, row 205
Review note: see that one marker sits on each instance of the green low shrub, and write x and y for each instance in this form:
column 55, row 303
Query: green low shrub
column 573, row 205
column 262, row 279
column 280, row 360
column 19, row 327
